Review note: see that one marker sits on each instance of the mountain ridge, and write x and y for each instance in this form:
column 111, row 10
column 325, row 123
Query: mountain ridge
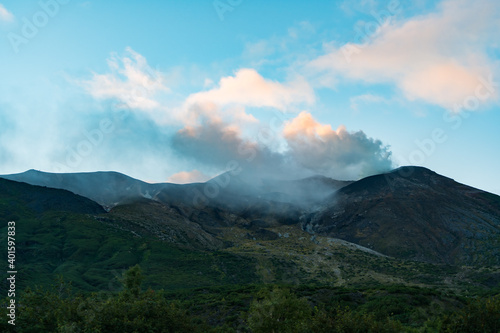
column 410, row 212
column 416, row 214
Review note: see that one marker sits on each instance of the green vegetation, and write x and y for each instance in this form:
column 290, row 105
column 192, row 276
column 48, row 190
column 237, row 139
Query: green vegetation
column 480, row 315
column 295, row 283
column 130, row 310
column 92, row 255
column 250, row 308
column 279, row 311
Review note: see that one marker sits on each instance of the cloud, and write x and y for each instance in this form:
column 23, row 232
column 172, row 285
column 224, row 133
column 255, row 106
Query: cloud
column 227, row 102
column 438, row 58
column 131, row 81
column 136, row 85
column 5, row 15
column 186, row 177
column 336, row 153
column 311, row 148
column 248, row 88
column 216, row 131
column 216, row 143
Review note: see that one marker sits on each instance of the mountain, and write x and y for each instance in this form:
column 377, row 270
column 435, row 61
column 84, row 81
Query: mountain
column 389, row 228
column 16, row 198
column 414, row 213
column 59, row 233
column 410, row 213
column 106, row 188
column 227, row 191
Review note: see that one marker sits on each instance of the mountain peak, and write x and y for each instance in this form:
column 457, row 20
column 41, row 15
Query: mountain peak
column 414, row 212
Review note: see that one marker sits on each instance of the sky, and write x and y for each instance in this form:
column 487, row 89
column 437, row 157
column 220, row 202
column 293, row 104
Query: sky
column 182, row 91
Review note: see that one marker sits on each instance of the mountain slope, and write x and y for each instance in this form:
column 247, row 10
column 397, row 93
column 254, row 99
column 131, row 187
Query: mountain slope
column 414, row 213
column 226, row 191
column 409, row 213
column 16, row 198
column 60, row 233
column 105, row 188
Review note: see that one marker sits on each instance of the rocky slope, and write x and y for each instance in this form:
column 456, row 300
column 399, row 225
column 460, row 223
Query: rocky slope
column 409, row 213
column 414, row 213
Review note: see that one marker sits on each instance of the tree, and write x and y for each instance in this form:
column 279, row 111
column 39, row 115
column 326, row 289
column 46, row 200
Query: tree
column 132, row 281
column 481, row 315
column 279, row 311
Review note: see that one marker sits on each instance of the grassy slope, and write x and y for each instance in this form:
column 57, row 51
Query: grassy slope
column 220, row 285
column 93, row 255
column 57, row 233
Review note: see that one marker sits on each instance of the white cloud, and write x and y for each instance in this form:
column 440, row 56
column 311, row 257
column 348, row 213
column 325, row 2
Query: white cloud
column 5, row 15
column 227, row 102
column 438, row 58
column 249, row 88
column 131, row 81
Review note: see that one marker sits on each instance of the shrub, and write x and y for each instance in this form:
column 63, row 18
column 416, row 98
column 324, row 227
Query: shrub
column 279, row 311
column 480, row 315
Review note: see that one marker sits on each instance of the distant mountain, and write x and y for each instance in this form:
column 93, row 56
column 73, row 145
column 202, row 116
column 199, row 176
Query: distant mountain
column 414, row 213
column 106, row 188
column 226, row 191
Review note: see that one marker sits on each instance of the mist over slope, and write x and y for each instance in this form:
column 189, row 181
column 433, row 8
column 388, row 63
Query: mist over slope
column 229, row 189
column 410, row 213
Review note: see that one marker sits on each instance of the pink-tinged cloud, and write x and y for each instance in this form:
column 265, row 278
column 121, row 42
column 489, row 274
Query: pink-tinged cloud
column 187, row 177
column 336, row 153
column 249, row 88
column 441, row 58
column 313, row 148
column 5, row 15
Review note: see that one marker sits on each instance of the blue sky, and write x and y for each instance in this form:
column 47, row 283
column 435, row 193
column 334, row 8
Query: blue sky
column 183, row 90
